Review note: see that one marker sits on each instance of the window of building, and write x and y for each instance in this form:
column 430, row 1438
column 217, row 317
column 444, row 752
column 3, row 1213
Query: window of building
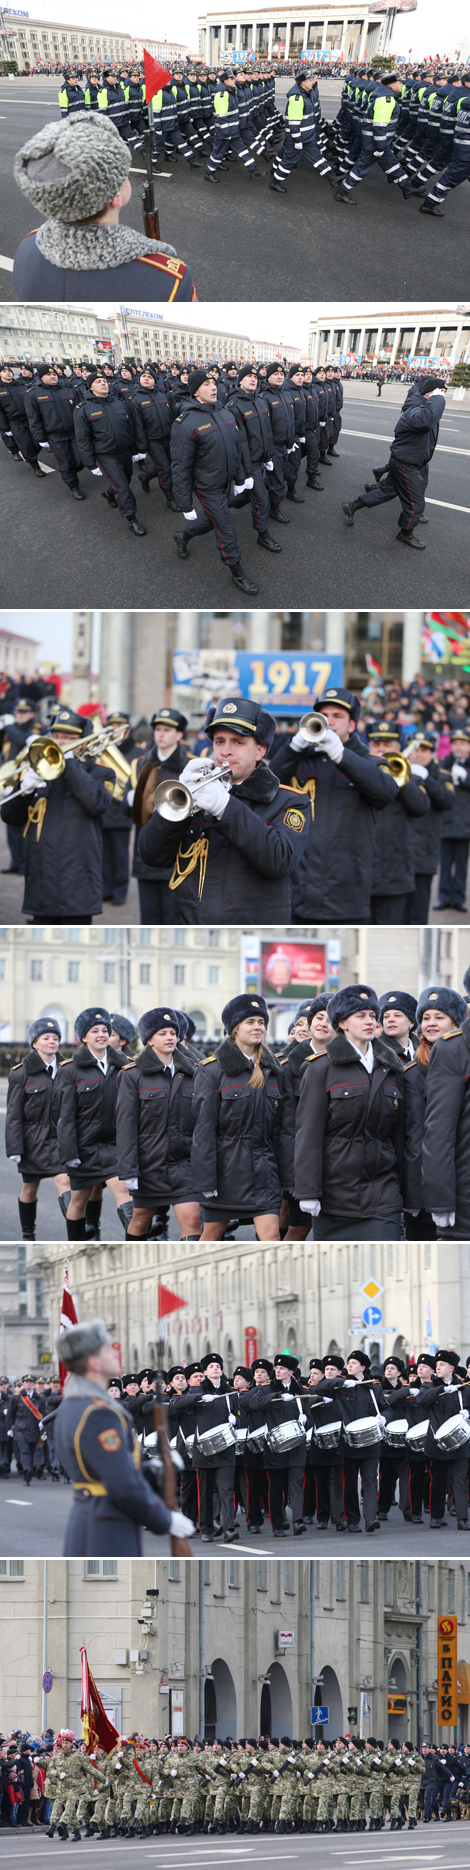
column 73, row 970
column 145, row 937
column 109, row 972
column 109, row 936
column 356, row 1266
column 405, row 341
column 173, row 1571
column 38, row 1295
column 391, row 1259
column 11, row 1567
column 339, row 1266
column 451, row 1591
column 179, row 938
column 388, row 1583
column 261, row 1575
column 289, row 1577
column 213, row 973
column 315, row 35
column 430, row 1587
column 427, row 1256
column 370, row 341
column 364, row 1581
column 334, row 34
column 214, row 938
column 262, row 41
column 101, row 1568
column 3, row 966
column 35, row 970
column 144, row 973
column 296, row 38
column 179, row 973
column 445, row 341
column 425, row 340
column 340, row 1579
column 246, row 38
column 233, row 1574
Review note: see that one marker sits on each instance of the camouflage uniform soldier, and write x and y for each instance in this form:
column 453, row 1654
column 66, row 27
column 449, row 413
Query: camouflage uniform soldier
column 90, row 1793
column 332, row 1788
column 414, row 1767
column 358, row 1801
column 144, row 1765
column 134, row 1783
column 259, row 1782
column 374, row 1765
column 107, row 1813
column 346, row 1789
column 76, row 1767
column 291, row 1775
column 192, row 1804
column 211, row 1756
column 170, row 1798
column 321, row 1788
column 398, row 1780
column 53, row 1782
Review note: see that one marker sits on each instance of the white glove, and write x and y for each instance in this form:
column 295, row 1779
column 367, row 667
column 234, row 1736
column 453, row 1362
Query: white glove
column 75, row 1164
column 14, row 1158
column 420, row 770
column 444, row 1220
column 62, row 1775
column 8, row 431
column 69, row 756
column 191, row 515
column 241, row 488
column 45, row 445
column 97, row 470
column 232, row 1420
column 301, row 438
column 292, row 451
column 181, row 1526
column 332, row 745
column 458, row 772
column 173, row 1772
column 209, row 1194
column 269, row 465
column 131, row 796
column 140, row 457
column 30, row 781
column 310, row 1207
column 212, row 796
column 249, row 482
column 133, row 1183
column 300, row 740
column 10, row 1432
column 276, row 1774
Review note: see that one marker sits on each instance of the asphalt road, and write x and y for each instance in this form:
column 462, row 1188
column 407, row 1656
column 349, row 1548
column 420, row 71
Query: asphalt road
column 412, row 1848
column 382, row 248
column 33, row 1520
column 322, row 561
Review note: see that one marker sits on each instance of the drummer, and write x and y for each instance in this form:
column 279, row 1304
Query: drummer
column 448, row 1438
column 361, row 1404
column 394, row 1458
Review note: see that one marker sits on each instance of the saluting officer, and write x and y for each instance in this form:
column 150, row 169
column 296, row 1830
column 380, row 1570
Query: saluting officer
column 100, row 1452
column 238, row 856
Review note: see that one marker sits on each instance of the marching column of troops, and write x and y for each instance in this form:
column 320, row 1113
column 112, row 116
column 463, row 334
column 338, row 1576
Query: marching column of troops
column 415, row 125
column 150, row 1787
column 339, row 828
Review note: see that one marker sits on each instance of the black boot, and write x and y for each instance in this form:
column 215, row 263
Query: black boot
column 27, row 1212
column 136, row 527
column 350, row 508
column 77, row 494
column 281, row 518
column 182, row 538
column 296, row 497
column 171, row 503
column 314, row 481
column 270, row 545
column 349, row 199
column 240, row 577
column 125, row 1214
column 278, row 188
column 430, row 207
column 211, row 178
column 408, row 538
column 38, row 471
column 107, row 494
column 76, row 1230
column 92, row 1220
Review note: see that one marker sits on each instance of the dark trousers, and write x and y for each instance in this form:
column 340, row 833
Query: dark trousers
column 419, row 1483
column 431, row 1797
column 155, row 901
column 256, row 1495
column 323, row 1491
column 239, row 1486
column 277, row 475
column 312, row 446
column 289, row 156
column 189, row 1501
column 403, row 481
column 177, row 141
column 31, row 1454
column 5, row 1454
column 66, row 456
column 207, row 1477
column 21, row 438
column 259, row 501
column 220, row 146
column 452, row 1475
column 419, row 900
column 216, row 518
column 285, row 1485
column 453, row 873
column 388, row 909
column 293, row 465
column 364, row 1465
column 389, row 1473
column 457, row 172
column 369, row 155
column 116, row 863
column 159, row 466
column 117, row 470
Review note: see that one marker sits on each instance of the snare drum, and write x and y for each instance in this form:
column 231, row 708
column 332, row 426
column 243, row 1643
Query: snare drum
column 454, row 1433
column 416, row 1437
column 395, row 1433
column 365, row 1432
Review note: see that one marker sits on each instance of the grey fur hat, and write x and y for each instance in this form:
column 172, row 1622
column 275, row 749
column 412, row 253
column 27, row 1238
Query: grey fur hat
column 81, row 1341
column 91, row 1016
column 124, row 1027
column 349, row 1000
column 40, row 1026
column 71, row 170
column 442, row 1000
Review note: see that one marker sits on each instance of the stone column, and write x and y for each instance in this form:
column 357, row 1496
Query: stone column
column 411, row 656
column 250, row 1650
column 335, row 632
column 80, row 685
column 116, row 659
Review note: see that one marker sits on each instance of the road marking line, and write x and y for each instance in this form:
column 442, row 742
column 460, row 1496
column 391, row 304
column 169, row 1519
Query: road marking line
column 18, row 1502
column 5, row 263
column 161, row 177
column 449, row 504
column 366, row 435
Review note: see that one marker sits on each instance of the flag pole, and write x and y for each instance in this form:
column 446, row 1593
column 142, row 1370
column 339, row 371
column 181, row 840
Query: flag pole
column 149, row 209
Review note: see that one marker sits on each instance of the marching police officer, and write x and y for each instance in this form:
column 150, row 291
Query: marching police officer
column 303, row 119
column 242, row 846
column 86, row 1118
column 97, row 1446
column 253, row 425
column 205, row 455
column 14, row 427
column 108, row 435
column 415, row 439
column 50, row 406
column 30, row 1129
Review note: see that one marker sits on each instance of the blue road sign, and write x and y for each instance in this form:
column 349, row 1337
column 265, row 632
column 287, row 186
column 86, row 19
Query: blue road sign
column 320, row 1717
column 372, row 1316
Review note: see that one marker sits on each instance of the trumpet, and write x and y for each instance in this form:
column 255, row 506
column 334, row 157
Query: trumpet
column 314, row 726
column 47, row 760
column 175, row 801
column 399, row 768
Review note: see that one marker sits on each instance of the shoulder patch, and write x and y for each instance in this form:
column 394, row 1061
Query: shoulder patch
column 294, row 819
column 294, row 789
column 313, row 1058
column 130, row 1066
column 110, row 1440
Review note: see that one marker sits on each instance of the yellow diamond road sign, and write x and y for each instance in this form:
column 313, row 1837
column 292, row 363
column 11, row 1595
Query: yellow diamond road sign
column 372, row 1289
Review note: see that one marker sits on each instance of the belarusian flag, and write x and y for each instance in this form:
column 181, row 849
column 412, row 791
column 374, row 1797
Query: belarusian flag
column 68, row 1316
column 97, row 1731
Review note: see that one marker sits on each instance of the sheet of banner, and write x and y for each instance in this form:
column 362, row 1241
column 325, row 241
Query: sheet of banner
column 447, row 1715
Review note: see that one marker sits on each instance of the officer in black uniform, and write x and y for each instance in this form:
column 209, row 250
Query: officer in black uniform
column 242, row 847
column 455, row 828
column 122, row 1034
column 252, row 421
column 415, row 439
column 154, row 411
column 446, row 1145
column 115, row 827
column 345, row 788
column 14, row 427
column 427, row 831
column 393, row 870
column 165, row 757
column 86, row 1118
column 97, row 1447
column 14, row 738
column 205, row 455
column 108, row 435
column 61, row 824
column 30, row 1129
column 398, row 1020
column 49, row 406
column 283, row 442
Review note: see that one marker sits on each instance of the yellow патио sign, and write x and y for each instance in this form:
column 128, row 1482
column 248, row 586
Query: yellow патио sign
column 447, row 1672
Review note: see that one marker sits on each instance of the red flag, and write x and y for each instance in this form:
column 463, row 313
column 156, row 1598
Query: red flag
column 168, row 1301
column 155, row 76
column 68, row 1316
column 97, row 1731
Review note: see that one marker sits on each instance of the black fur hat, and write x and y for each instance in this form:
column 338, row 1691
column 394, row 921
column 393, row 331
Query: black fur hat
column 243, row 1006
column 402, row 1002
column 442, row 1000
column 40, row 1026
column 349, row 1000
column 157, row 1020
column 92, row 1016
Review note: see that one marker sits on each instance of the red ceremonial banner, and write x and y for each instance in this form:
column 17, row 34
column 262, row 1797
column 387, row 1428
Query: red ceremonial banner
column 155, row 76
column 68, row 1316
column 97, row 1730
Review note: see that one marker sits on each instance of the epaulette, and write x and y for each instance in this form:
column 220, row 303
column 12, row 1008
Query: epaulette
column 313, row 1058
column 210, row 1060
column 17, row 1067
column 410, row 1067
column 452, row 1035
column 130, row 1066
column 294, row 789
column 66, row 1061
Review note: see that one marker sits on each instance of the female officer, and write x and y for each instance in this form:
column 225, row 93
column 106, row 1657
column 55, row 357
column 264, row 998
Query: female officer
column 154, row 1126
column 440, row 1013
column 446, row 1146
column 86, row 1122
column 349, row 1155
column 243, row 1125
column 30, row 1130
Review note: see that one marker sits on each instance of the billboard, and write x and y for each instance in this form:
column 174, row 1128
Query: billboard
column 286, row 683
column 446, row 638
column 292, row 970
column 447, row 1712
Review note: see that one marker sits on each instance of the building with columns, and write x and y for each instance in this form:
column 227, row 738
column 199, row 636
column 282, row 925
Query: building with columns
column 240, row 1298
column 324, row 29
column 39, row 42
column 220, row 1647
column 435, row 333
